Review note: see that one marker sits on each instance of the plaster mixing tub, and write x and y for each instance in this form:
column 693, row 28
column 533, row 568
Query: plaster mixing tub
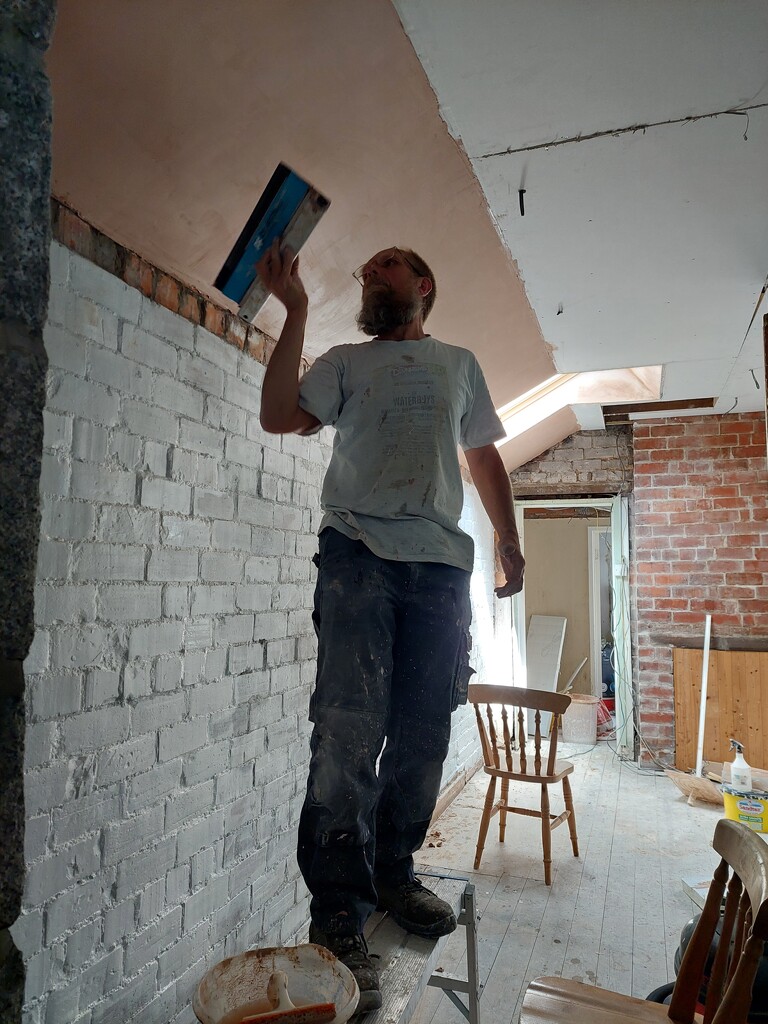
column 237, row 987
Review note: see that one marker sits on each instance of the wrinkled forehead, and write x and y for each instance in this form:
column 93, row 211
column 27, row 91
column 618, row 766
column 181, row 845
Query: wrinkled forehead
column 392, row 250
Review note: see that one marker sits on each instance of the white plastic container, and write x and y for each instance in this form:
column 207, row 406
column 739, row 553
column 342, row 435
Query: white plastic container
column 741, row 773
column 580, row 720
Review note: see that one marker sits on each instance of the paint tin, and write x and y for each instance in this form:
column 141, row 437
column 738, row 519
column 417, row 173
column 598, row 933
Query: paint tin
column 751, row 810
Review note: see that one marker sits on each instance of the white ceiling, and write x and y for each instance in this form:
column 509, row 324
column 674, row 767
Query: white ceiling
column 647, row 246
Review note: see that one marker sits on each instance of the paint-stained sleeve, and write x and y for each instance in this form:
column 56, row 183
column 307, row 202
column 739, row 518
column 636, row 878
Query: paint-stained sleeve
column 480, row 424
column 320, row 389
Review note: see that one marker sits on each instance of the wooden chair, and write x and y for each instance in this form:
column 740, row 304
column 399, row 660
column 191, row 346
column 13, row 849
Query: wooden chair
column 729, row 988
column 520, row 765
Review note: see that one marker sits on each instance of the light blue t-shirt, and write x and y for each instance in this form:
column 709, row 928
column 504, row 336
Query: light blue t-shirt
column 400, row 408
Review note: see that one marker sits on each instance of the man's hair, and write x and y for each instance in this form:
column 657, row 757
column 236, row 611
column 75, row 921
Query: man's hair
column 421, row 267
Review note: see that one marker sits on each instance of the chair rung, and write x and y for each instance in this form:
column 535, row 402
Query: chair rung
column 518, row 810
column 554, row 819
column 549, row 780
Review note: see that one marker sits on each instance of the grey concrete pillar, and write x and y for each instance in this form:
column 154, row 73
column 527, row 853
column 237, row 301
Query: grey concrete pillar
column 25, row 236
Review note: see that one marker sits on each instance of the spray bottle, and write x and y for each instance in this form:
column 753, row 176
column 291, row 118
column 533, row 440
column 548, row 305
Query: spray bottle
column 741, row 773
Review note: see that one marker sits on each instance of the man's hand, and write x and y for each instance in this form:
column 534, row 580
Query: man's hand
column 513, row 565
column 279, row 272
column 280, row 409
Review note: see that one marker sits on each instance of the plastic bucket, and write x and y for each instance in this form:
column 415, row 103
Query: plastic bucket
column 238, row 986
column 580, row 720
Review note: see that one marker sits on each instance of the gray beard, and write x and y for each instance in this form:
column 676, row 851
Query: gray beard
column 381, row 313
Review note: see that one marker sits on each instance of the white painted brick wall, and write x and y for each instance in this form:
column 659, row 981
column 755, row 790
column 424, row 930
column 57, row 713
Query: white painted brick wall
column 593, row 461
column 170, row 673
column 491, row 654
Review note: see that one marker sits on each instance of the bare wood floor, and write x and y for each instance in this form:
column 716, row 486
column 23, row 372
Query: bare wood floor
column 611, row 917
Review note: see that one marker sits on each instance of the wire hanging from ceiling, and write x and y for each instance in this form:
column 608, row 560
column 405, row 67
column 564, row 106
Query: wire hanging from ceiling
column 760, row 298
column 627, row 130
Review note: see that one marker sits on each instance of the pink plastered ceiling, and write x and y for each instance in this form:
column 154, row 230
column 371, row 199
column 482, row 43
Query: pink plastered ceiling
column 170, row 118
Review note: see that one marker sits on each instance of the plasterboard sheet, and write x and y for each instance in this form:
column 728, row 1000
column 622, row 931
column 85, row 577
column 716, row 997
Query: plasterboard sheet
column 544, row 650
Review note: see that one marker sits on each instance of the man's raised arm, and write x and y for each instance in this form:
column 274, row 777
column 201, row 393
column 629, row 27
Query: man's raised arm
column 280, row 409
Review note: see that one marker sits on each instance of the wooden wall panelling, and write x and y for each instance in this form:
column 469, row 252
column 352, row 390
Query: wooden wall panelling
column 737, row 705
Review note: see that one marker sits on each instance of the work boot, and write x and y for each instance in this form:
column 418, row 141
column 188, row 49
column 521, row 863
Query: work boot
column 416, row 908
column 352, row 951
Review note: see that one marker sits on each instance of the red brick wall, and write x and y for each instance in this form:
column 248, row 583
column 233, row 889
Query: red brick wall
column 699, row 544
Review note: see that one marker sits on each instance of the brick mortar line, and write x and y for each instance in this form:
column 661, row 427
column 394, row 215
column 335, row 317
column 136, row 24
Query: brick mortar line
column 70, row 229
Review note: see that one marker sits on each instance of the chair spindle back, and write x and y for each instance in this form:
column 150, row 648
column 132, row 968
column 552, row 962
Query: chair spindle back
column 519, row 700
column 743, row 932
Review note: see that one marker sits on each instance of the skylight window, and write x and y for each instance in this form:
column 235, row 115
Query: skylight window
column 601, row 387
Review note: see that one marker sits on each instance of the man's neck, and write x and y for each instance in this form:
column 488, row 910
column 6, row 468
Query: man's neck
column 413, row 331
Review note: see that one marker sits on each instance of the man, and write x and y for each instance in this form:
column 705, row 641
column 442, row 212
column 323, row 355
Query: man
column 392, row 597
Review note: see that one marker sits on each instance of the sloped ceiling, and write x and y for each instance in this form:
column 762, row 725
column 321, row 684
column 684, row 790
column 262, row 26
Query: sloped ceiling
column 639, row 132
column 421, row 120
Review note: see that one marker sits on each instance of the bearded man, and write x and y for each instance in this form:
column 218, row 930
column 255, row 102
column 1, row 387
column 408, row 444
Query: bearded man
column 392, row 605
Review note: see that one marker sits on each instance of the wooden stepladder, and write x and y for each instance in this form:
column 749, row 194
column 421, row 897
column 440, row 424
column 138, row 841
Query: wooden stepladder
column 408, row 962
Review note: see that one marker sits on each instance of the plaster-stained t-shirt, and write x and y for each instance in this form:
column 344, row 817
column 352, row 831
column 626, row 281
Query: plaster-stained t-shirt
column 400, row 408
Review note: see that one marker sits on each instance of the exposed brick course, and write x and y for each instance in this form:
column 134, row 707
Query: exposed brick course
column 167, row 291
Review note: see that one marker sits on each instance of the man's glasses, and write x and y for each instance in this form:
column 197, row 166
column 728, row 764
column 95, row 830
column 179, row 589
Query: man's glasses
column 393, row 258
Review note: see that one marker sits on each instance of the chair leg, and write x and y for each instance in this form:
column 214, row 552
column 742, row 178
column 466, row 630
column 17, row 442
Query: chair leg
column 503, row 810
column 568, row 797
column 546, row 834
column 485, row 820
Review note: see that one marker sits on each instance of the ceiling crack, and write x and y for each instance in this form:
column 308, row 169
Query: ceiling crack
column 744, row 111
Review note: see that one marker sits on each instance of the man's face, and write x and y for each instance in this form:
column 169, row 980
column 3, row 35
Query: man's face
column 392, row 295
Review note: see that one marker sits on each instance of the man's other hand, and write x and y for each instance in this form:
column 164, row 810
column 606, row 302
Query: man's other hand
column 279, row 272
column 513, row 566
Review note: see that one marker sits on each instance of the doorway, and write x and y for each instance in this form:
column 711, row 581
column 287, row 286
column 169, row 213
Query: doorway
column 567, row 583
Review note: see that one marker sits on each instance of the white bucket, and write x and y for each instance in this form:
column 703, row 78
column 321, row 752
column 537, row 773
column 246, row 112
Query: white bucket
column 580, row 720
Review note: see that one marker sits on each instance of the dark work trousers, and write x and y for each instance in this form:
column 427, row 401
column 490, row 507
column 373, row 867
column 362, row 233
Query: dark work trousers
column 392, row 664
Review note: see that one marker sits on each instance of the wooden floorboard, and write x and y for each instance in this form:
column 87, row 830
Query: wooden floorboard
column 583, row 944
column 611, row 917
column 648, row 918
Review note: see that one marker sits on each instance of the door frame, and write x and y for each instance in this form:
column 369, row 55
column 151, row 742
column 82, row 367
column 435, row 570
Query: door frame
column 618, row 507
column 594, row 534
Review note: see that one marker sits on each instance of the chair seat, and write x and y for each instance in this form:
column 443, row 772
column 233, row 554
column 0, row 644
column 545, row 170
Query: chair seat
column 561, row 769
column 559, row 1001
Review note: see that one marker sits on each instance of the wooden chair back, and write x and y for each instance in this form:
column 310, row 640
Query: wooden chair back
column 742, row 877
column 515, row 701
column 744, row 931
